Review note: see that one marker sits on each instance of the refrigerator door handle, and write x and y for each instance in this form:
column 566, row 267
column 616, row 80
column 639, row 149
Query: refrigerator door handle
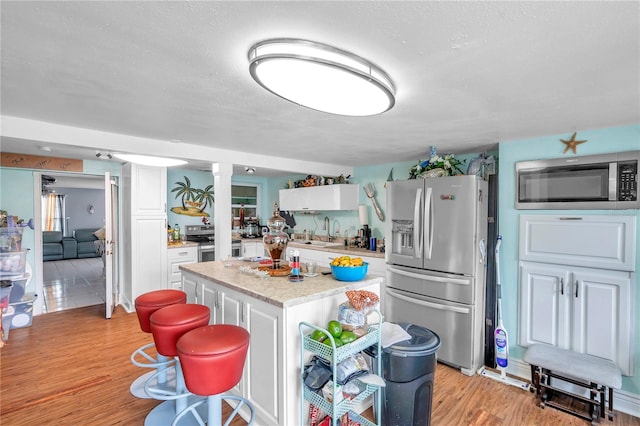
column 428, row 304
column 427, row 277
column 428, row 221
column 417, row 224
column 483, row 250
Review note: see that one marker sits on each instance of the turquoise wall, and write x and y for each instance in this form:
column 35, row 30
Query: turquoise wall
column 599, row 141
column 16, row 197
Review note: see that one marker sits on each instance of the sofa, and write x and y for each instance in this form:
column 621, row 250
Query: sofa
column 57, row 247
column 86, row 242
column 81, row 245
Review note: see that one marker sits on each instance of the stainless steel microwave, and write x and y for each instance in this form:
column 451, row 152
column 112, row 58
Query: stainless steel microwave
column 606, row 181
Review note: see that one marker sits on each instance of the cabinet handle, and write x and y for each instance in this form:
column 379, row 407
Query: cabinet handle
column 576, row 288
column 562, row 286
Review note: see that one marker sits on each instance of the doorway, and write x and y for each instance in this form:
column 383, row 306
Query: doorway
column 78, row 277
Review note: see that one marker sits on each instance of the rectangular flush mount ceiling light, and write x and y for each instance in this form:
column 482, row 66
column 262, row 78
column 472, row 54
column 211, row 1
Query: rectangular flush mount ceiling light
column 321, row 77
column 147, row 160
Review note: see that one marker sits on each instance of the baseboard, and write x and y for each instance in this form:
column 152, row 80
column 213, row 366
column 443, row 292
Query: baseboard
column 127, row 305
column 623, row 401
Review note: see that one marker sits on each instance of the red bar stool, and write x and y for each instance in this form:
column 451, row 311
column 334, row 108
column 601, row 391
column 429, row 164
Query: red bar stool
column 146, row 304
column 167, row 326
column 212, row 360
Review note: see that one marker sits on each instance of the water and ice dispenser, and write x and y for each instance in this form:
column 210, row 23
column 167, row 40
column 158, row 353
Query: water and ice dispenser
column 402, row 237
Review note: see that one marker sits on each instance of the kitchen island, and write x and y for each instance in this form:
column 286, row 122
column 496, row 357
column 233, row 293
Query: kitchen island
column 270, row 309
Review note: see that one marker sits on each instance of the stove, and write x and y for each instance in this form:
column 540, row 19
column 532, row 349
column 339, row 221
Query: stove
column 205, row 236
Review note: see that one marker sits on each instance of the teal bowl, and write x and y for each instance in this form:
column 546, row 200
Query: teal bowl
column 349, row 273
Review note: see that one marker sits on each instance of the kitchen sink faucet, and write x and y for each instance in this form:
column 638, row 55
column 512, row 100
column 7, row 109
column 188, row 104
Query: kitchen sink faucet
column 326, row 226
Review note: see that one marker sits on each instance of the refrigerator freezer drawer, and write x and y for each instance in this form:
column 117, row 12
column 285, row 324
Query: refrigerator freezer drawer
column 456, row 325
column 457, row 288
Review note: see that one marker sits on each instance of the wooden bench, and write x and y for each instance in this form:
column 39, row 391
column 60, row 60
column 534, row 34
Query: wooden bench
column 590, row 372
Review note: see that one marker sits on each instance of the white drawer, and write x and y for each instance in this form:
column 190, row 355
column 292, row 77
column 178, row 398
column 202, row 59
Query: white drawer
column 182, row 253
column 180, row 256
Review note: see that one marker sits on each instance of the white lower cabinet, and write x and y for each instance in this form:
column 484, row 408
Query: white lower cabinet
column 207, row 296
column 198, row 292
column 252, row 248
column 583, row 309
column 229, row 311
column 179, row 256
column 263, row 383
column 377, row 265
column 190, row 286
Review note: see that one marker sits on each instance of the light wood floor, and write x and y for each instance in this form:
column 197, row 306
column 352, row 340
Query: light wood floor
column 73, row 368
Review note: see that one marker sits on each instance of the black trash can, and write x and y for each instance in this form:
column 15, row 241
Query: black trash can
column 409, row 369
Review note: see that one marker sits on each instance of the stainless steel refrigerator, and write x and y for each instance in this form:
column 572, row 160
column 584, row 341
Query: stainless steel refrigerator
column 436, row 234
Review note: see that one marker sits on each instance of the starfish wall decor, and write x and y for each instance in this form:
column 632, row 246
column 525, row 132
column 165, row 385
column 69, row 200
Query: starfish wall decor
column 572, row 143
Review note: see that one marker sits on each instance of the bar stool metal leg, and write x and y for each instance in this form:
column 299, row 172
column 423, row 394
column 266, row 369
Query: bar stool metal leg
column 212, row 359
column 168, row 325
column 146, row 304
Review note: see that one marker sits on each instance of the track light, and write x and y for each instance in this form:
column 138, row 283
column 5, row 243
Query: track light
column 102, row 156
column 250, row 170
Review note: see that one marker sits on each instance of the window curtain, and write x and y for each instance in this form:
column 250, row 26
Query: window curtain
column 53, row 213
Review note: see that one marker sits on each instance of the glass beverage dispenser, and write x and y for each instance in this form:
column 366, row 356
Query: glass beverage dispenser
column 275, row 241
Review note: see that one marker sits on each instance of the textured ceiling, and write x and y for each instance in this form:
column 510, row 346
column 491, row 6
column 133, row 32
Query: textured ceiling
column 468, row 75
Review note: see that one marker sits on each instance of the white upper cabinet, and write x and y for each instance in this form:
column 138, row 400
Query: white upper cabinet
column 148, row 190
column 320, row 198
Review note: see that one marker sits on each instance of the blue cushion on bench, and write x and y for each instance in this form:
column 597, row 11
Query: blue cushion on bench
column 585, row 367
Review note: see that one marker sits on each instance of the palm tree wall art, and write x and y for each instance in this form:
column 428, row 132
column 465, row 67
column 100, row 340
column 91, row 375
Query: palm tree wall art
column 193, row 200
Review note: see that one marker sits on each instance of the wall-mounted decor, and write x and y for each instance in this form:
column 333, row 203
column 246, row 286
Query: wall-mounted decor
column 193, row 200
column 24, row 161
column 572, row 144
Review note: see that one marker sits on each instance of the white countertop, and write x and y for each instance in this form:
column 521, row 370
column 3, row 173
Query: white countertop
column 278, row 291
